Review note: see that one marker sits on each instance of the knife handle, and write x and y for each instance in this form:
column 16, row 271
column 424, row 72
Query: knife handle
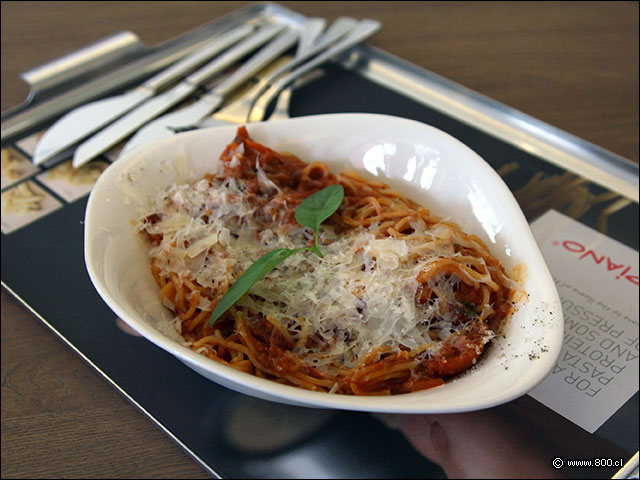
column 257, row 62
column 211, row 49
column 234, row 54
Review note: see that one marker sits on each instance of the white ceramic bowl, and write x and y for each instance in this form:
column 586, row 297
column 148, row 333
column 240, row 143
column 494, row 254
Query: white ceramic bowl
column 424, row 163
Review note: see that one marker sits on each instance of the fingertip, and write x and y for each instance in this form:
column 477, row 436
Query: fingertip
column 126, row 328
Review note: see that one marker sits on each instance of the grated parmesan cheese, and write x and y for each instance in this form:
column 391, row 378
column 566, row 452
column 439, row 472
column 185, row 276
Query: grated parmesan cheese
column 360, row 295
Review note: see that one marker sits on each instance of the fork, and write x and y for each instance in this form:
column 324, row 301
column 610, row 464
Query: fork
column 362, row 31
column 310, row 40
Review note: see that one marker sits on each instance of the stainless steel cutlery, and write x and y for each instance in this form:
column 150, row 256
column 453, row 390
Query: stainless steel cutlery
column 344, row 36
column 113, row 119
column 155, row 106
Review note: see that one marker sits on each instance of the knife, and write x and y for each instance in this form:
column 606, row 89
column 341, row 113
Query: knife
column 89, row 118
column 128, row 124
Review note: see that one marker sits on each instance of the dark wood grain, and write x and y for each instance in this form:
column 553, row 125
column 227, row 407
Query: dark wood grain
column 573, row 65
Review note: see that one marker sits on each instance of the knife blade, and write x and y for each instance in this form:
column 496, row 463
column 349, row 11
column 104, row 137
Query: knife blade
column 153, row 107
column 89, row 118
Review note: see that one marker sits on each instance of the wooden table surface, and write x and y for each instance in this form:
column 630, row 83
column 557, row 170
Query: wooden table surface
column 573, row 65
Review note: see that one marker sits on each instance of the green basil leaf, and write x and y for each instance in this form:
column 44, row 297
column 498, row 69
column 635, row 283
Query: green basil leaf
column 319, row 206
column 314, row 210
column 254, row 273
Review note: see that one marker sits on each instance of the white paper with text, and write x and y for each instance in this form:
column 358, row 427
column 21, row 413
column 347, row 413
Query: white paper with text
column 597, row 280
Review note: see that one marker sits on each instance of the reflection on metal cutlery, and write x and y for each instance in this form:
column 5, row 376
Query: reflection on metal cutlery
column 89, row 118
column 128, row 124
column 238, row 112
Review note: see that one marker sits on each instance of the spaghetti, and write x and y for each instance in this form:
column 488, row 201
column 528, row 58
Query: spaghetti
column 400, row 301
